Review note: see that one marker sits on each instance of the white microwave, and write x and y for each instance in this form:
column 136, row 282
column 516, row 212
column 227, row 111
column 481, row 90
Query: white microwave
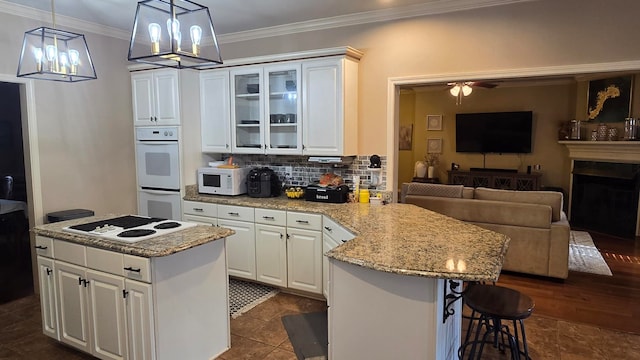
column 219, row 181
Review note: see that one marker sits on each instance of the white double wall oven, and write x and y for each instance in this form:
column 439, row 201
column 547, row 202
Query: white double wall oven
column 158, row 171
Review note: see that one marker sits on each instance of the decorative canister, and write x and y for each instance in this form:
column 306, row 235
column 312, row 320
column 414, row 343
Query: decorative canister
column 575, row 129
column 613, row 134
column 630, row 129
column 594, row 135
column 602, row 131
column 420, row 169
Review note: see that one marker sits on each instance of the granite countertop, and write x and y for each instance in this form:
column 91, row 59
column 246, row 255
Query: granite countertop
column 397, row 238
column 155, row 247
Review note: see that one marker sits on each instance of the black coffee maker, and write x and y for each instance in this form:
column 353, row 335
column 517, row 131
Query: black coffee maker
column 263, row 182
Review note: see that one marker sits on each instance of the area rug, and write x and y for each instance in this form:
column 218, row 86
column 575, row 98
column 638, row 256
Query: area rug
column 308, row 334
column 244, row 295
column 584, row 256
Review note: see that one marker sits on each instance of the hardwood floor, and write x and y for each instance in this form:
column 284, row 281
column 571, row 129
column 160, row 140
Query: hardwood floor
column 609, row 302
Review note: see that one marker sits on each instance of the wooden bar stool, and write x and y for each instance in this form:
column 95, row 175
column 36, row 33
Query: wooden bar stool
column 491, row 305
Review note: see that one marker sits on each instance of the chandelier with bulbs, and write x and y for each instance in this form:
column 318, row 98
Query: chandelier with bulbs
column 58, row 55
column 157, row 37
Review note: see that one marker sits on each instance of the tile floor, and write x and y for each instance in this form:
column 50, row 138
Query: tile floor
column 259, row 334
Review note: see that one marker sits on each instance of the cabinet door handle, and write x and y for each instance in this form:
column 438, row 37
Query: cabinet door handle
column 328, row 228
column 79, row 281
column 129, row 268
column 268, row 217
column 198, row 209
column 40, row 247
column 288, row 236
column 124, row 293
column 233, row 214
column 281, row 236
column 226, row 145
column 86, row 282
column 344, row 241
column 150, row 118
column 302, row 221
column 49, row 271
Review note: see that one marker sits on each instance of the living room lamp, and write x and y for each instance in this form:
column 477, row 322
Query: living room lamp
column 57, row 55
column 157, row 37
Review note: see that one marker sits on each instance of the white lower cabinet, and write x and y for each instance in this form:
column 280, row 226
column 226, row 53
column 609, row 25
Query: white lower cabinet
column 332, row 236
column 48, row 302
column 119, row 306
column 271, row 246
column 304, row 251
column 139, row 314
column 241, row 248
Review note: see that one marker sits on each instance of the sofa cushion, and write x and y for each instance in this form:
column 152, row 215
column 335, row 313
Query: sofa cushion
column 439, row 190
column 551, row 198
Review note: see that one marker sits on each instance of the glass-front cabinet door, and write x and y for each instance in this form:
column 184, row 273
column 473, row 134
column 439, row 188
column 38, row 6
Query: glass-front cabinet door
column 283, row 133
column 247, row 110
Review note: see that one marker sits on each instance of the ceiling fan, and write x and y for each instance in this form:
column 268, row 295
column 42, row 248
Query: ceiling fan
column 464, row 88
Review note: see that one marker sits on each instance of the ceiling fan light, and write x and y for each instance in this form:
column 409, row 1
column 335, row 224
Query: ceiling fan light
column 466, row 90
column 455, row 90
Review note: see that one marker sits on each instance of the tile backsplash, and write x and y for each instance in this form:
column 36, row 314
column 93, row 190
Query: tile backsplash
column 304, row 172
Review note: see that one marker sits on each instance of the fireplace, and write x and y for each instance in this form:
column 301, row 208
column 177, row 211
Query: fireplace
column 605, row 186
column 605, row 197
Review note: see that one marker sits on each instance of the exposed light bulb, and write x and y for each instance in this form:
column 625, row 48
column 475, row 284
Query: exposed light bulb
column 154, row 33
column 64, row 62
column 52, row 52
column 52, row 56
column 196, row 36
column 466, row 90
column 38, row 55
column 74, row 59
column 455, row 90
column 173, row 26
column 178, row 38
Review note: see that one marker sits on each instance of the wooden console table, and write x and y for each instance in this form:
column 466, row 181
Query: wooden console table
column 495, row 180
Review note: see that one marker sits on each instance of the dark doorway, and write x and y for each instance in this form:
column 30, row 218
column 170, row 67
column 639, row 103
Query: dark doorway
column 15, row 257
column 605, row 197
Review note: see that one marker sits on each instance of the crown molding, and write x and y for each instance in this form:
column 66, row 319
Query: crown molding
column 62, row 20
column 430, row 8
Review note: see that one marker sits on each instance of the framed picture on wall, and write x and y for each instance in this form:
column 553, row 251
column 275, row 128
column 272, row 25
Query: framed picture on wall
column 609, row 100
column 405, row 135
column 434, row 146
column 434, row 122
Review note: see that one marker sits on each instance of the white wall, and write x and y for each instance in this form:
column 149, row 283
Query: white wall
column 85, row 132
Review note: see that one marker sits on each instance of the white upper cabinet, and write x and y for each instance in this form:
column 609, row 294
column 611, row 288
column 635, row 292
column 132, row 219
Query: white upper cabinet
column 330, row 107
column 283, row 130
column 247, row 110
column 294, row 107
column 156, row 97
column 215, row 113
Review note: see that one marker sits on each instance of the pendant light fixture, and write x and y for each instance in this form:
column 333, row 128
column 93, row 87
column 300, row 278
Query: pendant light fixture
column 57, row 55
column 174, row 33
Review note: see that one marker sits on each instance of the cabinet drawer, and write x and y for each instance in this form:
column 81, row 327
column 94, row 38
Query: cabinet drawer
column 271, row 217
column 105, row 260
column 231, row 212
column 70, row 252
column 203, row 220
column 335, row 230
column 200, row 208
column 304, row 221
column 137, row 268
column 44, row 246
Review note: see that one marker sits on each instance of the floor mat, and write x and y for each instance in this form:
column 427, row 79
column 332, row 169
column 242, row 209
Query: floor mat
column 244, row 295
column 584, row 256
column 308, row 334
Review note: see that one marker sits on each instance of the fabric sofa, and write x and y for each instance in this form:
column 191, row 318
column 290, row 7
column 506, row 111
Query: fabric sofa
column 534, row 220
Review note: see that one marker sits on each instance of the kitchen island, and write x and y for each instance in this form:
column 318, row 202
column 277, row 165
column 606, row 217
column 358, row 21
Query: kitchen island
column 391, row 288
column 165, row 297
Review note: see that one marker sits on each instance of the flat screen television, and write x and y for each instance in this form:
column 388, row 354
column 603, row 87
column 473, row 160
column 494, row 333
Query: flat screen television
column 496, row 132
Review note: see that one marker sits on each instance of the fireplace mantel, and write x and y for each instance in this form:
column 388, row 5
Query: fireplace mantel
column 613, row 151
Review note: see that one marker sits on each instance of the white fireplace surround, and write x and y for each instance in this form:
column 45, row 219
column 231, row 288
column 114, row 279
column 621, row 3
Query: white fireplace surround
column 604, row 151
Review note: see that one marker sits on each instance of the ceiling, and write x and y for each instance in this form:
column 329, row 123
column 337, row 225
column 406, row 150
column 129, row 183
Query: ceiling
column 245, row 15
